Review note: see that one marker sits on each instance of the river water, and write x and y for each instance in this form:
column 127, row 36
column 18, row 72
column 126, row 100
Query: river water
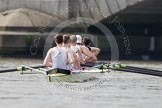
column 110, row 90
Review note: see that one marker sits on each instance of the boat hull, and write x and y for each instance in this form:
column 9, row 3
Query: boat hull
column 79, row 77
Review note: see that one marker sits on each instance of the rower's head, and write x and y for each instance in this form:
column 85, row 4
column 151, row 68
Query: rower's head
column 86, row 41
column 66, row 38
column 79, row 39
column 73, row 39
column 58, row 38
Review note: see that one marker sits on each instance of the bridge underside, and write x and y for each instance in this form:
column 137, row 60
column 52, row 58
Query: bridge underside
column 142, row 25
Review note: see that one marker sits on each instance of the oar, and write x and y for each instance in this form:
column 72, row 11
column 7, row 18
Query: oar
column 124, row 67
column 8, row 70
column 33, row 69
column 19, row 69
column 144, row 69
column 99, row 65
column 93, row 64
column 139, row 69
column 154, row 73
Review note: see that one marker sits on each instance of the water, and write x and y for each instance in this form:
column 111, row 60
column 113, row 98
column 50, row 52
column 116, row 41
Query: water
column 113, row 90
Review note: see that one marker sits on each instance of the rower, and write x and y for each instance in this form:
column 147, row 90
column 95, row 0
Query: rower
column 57, row 57
column 72, row 60
column 87, row 55
column 87, row 43
column 77, row 51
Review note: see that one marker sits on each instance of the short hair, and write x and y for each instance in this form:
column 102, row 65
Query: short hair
column 58, row 38
column 86, row 41
column 66, row 38
column 73, row 39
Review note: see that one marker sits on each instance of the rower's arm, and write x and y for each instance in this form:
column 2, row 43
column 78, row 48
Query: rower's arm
column 48, row 61
column 88, row 54
column 79, row 53
column 95, row 50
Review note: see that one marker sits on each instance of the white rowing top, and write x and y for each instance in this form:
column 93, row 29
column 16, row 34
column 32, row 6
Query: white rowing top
column 79, row 46
column 59, row 58
column 74, row 48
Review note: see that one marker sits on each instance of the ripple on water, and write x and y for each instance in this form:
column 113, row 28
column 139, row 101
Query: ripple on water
column 121, row 90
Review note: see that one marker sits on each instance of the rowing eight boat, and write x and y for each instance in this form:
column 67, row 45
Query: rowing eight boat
column 89, row 72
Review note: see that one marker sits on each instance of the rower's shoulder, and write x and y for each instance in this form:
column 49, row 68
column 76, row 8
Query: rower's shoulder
column 51, row 49
column 69, row 50
column 84, row 48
